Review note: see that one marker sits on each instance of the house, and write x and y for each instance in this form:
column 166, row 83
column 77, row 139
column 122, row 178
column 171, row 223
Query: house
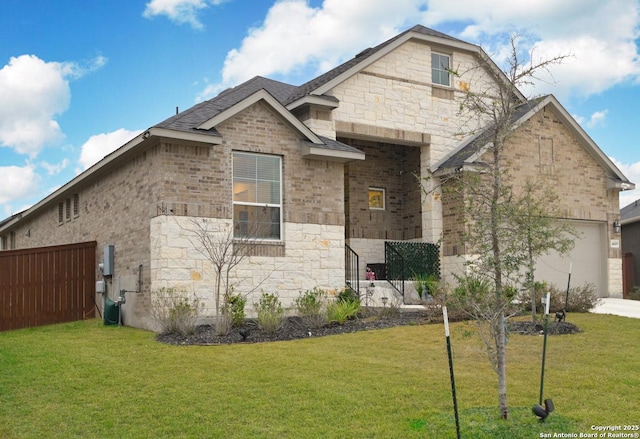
column 630, row 229
column 313, row 169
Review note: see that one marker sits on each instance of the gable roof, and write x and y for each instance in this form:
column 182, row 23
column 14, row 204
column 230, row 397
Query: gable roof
column 468, row 154
column 325, row 82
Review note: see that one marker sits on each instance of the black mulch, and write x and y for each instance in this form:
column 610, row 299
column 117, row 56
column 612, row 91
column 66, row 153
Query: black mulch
column 296, row 328
column 531, row 328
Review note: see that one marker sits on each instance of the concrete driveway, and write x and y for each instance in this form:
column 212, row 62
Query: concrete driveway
column 619, row 307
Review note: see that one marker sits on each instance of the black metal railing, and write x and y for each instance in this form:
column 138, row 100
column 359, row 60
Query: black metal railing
column 351, row 269
column 395, row 265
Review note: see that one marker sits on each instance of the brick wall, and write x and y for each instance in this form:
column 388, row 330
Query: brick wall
column 392, row 168
column 545, row 148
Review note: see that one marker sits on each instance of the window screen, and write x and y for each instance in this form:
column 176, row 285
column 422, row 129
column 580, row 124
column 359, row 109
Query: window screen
column 257, row 197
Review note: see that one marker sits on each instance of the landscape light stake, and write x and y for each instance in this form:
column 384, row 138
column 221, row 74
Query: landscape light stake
column 453, row 382
column 538, row 410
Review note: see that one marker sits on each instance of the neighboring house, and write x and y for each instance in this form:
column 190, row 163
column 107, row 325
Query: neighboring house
column 630, row 225
column 309, row 169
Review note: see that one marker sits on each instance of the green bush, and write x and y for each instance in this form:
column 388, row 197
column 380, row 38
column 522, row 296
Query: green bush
column 310, row 306
column 236, row 304
column 174, row 311
column 270, row 313
column 342, row 310
column 635, row 294
column 348, row 295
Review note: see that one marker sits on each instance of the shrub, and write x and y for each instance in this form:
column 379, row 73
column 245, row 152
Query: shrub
column 391, row 309
column 310, row 306
column 348, row 295
column 174, row 311
column 236, row 304
column 635, row 294
column 270, row 313
column 581, row 299
column 342, row 310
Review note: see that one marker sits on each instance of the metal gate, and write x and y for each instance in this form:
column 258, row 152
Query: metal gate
column 41, row 286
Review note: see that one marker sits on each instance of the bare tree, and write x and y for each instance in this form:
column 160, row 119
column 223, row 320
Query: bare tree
column 217, row 243
column 491, row 234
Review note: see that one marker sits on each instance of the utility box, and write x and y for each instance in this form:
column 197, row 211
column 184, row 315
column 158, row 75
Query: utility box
column 100, row 287
column 107, row 269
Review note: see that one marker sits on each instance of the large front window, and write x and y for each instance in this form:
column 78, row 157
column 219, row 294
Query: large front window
column 257, row 196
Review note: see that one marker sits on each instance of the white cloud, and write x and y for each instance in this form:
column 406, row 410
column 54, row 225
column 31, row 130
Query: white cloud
column 295, row 35
column 54, row 169
column 33, row 92
column 178, row 11
column 17, row 182
column 599, row 35
column 597, row 119
column 100, row 145
column 632, row 172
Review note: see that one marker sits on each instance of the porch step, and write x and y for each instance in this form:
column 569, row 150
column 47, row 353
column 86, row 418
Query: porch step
column 382, row 288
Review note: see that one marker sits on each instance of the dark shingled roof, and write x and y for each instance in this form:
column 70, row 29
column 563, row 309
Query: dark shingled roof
column 630, row 211
column 465, row 151
column 193, row 117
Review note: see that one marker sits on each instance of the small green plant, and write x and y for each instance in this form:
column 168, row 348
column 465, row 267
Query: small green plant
column 347, row 295
column 342, row 310
column 270, row 313
column 635, row 294
column 426, row 284
column 236, row 304
column 311, row 307
column 174, row 311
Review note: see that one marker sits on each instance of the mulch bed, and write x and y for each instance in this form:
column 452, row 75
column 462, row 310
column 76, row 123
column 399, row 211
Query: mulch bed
column 531, row 328
column 295, row 328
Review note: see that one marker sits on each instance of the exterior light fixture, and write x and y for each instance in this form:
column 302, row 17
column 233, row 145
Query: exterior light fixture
column 384, row 301
column 616, row 226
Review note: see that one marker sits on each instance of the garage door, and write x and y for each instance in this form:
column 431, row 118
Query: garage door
column 588, row 261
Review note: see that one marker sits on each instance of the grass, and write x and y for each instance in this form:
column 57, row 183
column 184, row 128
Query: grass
column 86, row 380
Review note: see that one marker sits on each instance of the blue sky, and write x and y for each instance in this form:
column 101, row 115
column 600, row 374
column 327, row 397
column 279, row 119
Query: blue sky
column 79, row 78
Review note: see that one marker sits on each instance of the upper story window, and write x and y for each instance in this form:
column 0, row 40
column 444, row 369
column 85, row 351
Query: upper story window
column 440, row 65
column 257, row 196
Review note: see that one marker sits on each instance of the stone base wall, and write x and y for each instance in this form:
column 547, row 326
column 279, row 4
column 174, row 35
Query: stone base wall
column 313, row 257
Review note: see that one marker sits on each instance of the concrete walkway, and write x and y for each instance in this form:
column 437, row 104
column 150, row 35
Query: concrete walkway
column 619, row 307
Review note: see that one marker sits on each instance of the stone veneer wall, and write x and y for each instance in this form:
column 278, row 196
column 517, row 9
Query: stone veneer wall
column 314, row 257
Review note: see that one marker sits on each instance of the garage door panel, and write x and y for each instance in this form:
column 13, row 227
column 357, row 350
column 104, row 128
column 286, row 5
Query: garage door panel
column 587, row 260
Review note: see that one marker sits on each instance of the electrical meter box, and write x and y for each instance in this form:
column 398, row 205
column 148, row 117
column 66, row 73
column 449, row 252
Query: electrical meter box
column 107, row 269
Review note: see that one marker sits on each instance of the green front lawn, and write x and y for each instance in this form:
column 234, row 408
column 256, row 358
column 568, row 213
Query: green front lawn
column 90, row 381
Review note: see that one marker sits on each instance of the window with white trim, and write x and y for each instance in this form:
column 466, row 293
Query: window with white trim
column 377, row 198
column 440, row 65
column 257, row 196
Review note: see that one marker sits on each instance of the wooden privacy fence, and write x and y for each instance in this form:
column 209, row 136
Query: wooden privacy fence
column 41, row 286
